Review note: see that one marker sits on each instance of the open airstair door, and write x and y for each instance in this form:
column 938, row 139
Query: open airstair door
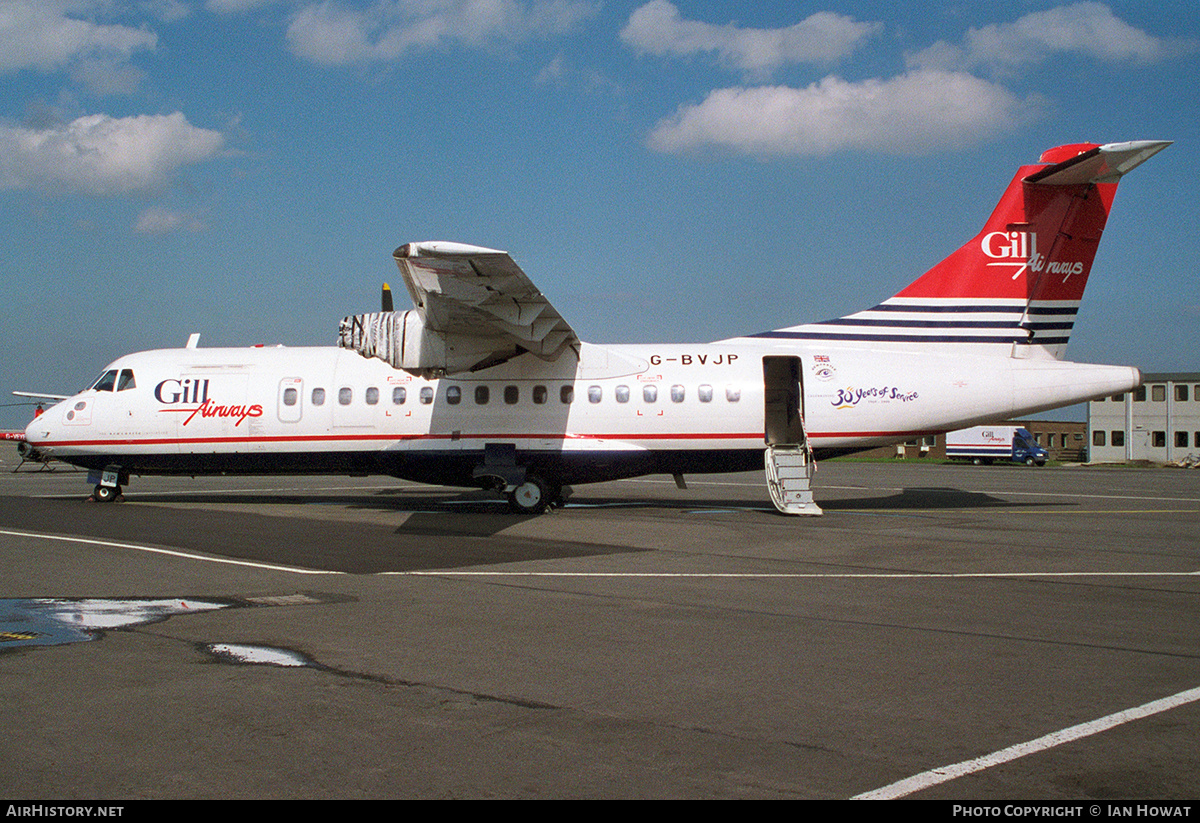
column 789, row 462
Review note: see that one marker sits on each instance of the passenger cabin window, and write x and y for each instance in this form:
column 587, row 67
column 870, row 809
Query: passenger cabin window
column 453, row 395
column 125, row 381
column 567, row 394
column 426, row 395
column 705, row 393
column 539, row 394
column 399, row 395
column 595, row 394
column 650, row 393
column 511, row 395
column 733, row 394
column 345, row 395
column 677, row 394
column 318, row 397
column 289, row 397
column 481, row 395
column 622, row 394
column 106, row 381
column 372, row 396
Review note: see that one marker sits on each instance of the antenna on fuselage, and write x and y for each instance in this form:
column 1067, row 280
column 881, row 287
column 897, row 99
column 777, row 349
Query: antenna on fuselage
column 385, row 300
column 193, row 340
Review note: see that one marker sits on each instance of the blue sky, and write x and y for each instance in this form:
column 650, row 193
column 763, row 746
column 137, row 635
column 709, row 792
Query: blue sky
column 681, row 171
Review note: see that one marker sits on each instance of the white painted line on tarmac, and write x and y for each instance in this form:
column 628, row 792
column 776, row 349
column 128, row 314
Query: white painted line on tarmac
column 944, row 774
column 784, row 575
column 112, row 544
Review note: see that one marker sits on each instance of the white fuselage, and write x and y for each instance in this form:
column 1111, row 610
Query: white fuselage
column 614, row 411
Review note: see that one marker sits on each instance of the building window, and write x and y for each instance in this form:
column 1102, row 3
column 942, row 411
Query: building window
column 1139, row 394
column 1158, row 393
column 1196, row 439
column 1098, row 438
column 1181, row 392
column 1117, row 398
column 1160, row 440
column 1181, row 439
column 1118, row 437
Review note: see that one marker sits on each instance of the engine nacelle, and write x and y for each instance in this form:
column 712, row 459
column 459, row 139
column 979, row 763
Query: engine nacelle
column 402, row 340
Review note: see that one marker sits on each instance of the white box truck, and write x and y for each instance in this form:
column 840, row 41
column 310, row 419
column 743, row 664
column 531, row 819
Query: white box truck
column 985, row 444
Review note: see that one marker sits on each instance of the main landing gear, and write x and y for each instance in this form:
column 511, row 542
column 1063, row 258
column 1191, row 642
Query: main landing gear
column 535, row 495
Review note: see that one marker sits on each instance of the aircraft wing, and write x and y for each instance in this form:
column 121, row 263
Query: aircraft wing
column 469, row 290
column 474, row 308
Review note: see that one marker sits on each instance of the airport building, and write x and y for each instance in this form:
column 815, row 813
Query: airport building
column 1157, row 423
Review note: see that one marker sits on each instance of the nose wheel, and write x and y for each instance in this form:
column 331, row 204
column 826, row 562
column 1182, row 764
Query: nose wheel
column 106, row 494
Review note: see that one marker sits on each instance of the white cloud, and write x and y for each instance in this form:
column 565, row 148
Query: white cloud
column 332, row 34
column 39, row 34
column 161, row 220
column 915, row 113
column 1089, row 29
column 824, row 37
column 98, row 154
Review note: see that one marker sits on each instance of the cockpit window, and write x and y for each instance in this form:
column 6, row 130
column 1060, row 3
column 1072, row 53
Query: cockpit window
column 106, row 381
column 125, row 381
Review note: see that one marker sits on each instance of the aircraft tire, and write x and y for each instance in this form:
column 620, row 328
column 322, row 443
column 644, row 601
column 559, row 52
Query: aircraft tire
column 531, row 497
column 105, row 494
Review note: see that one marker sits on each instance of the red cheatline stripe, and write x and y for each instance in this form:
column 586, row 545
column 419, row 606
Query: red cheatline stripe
column 333, row 438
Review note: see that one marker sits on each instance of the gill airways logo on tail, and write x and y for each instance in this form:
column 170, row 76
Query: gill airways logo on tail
column 1018, row 249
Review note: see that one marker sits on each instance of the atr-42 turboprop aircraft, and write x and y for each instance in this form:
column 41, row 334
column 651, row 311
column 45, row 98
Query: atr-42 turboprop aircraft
column 484, row 384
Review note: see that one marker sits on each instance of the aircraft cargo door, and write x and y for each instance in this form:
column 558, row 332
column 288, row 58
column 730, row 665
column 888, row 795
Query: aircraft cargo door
column 788, row 458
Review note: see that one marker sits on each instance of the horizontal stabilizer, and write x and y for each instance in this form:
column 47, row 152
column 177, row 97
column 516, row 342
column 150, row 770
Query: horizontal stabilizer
column 1097, row 164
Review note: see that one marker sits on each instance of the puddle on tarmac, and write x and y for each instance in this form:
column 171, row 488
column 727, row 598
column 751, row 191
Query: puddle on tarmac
column 51, row 621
